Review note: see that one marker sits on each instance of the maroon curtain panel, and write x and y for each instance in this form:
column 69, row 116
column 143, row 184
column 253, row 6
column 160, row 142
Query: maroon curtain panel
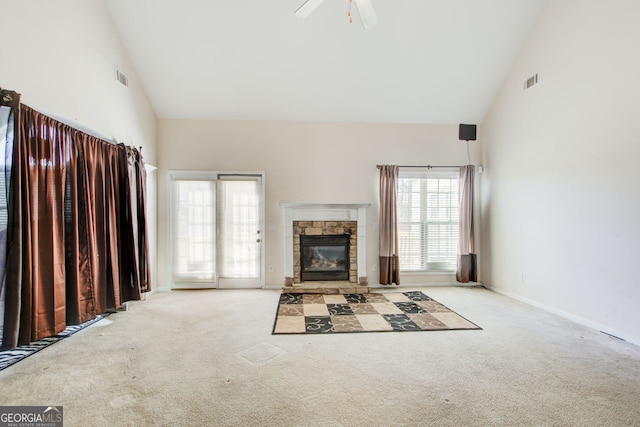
column 388, row 229
column 137, row 170
column 74, row 235
column 466, row 270
column 35, row 276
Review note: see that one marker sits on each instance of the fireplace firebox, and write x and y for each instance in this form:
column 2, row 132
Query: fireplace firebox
column 324, row 257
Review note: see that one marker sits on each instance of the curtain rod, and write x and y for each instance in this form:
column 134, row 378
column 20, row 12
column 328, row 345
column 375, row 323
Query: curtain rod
column 10, row 98
column 426, row 166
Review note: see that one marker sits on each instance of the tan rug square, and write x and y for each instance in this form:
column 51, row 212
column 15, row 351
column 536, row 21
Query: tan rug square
column 433, row 306
column 426, row 321
column 315, row 310
column 386, row 308
column 376, row 298
column 396, row 297
column 453, row 320
column 374, row 322
column 363, row 308
column 335, row 299
column 346, row 323
column 289, row 325
column 312, row 299
column 290, row 310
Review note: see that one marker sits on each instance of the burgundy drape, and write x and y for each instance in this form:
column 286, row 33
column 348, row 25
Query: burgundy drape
column 388, row 239
column 141, row 244
column 35, row 275
column 72, row 250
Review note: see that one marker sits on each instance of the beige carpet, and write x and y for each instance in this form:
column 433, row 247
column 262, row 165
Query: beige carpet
column 207, row 358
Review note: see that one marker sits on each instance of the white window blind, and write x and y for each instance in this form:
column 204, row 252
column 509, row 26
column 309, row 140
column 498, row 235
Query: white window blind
column 239, row 218
column 428, row 216
column 194, row 231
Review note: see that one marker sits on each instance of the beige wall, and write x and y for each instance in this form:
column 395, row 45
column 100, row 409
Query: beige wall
column 561, row 204
column 60, row 55
column 303, row 162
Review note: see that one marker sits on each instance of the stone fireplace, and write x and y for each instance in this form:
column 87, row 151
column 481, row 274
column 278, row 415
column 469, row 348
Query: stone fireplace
column 325, row 242
column 325, row 250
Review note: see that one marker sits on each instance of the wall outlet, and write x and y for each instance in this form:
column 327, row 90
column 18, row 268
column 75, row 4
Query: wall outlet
column 270, row 269
column 521, row 277
column 375, row 267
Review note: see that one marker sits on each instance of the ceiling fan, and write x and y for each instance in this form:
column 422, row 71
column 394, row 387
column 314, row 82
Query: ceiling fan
column 365, row 10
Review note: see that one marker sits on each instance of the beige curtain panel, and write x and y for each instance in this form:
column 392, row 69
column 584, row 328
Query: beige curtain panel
column 388, row 244
column 466, row 270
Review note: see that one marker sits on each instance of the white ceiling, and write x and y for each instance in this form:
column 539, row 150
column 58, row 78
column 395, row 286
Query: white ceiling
column 427, row 61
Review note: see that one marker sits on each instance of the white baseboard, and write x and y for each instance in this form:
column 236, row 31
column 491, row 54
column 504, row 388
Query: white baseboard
column 577, row 319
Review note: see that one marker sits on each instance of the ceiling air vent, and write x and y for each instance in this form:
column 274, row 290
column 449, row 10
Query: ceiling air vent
column 122, row 77
column 531, row 81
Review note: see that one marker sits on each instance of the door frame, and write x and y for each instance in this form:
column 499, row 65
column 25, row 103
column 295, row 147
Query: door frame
column 177, row 175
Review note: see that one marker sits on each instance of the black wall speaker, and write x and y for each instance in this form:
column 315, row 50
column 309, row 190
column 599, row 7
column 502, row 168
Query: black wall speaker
column 467, row 133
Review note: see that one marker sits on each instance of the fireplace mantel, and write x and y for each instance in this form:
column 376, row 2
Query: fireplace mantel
column 304, row 211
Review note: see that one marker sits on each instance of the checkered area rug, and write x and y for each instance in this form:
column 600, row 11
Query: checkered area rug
column 375, row 312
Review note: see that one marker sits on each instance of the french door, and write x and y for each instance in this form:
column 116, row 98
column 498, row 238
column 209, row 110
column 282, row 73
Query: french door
column 216, row 230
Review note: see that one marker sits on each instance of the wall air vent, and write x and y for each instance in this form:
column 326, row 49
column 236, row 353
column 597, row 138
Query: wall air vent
column 531, row 81
column 122, row 77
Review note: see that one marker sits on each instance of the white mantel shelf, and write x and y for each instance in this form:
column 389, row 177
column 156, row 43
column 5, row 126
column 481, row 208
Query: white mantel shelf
column 308, row 205
column 306, row 211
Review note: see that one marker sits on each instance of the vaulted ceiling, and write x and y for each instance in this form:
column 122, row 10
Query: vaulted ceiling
column 426, row 61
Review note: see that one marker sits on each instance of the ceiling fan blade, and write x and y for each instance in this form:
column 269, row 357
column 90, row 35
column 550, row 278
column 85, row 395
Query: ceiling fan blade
column 307, row 7
column 367, row 14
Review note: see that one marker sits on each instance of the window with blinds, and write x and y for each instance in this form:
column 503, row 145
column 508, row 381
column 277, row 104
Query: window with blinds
column 428, row 216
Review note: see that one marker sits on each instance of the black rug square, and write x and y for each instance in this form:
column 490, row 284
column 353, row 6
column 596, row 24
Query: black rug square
column 318, row 324
column 417, row 296
column 291, row 298
column 356, row 298
column 410, row 307
column 401, row 322
column 339, row 309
